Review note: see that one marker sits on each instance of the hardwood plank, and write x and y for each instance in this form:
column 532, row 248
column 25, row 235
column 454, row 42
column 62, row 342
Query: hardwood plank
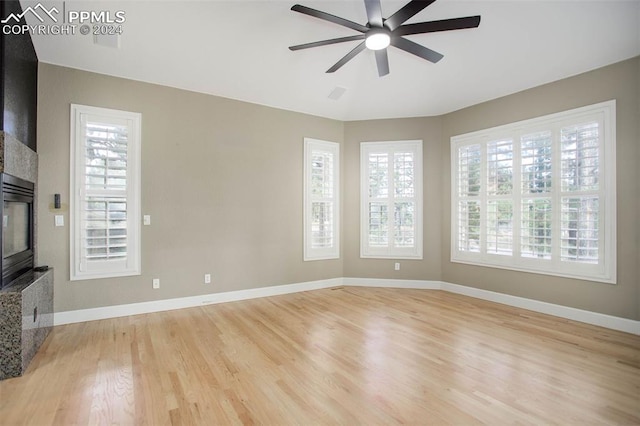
column 337, row 356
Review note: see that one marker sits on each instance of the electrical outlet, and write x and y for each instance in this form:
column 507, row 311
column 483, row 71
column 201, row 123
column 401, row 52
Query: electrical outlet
column 397, row 266
column 146, row 219
column 207, row 278
column 156, row 283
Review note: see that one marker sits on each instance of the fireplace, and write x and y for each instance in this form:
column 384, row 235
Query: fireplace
column 26, row 295
column 16, row 239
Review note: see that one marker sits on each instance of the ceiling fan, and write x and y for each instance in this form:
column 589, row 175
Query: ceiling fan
column 379, row 33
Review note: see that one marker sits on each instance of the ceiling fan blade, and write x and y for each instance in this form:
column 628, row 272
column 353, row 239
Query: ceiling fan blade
column 434, row 26
column 382, row 60
column 416, row 49
column 327, row 42
column 406, row 12
column 328, row 17
column 349, row 56
column 374, row 12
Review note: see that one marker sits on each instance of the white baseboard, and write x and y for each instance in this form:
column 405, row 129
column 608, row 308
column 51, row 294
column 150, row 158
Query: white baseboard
column 81, row 315
column 594, row 318
column 377, row 282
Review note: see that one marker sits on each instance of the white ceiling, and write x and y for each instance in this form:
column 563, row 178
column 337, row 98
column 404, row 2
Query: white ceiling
column 239, row 49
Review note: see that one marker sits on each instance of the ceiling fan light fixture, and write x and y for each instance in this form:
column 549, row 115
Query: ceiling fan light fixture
column 377, row 39
column 378, row 33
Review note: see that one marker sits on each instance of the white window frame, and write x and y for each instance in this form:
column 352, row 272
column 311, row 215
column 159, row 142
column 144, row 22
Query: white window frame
column 391, row 251
column 309, row 251
column 605, row 270
column 80, row 268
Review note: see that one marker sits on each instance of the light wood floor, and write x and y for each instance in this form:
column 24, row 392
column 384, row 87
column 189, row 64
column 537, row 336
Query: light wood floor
column 335, row 356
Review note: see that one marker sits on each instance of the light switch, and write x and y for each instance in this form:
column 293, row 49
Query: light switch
column 146, row 219
column 59, row 220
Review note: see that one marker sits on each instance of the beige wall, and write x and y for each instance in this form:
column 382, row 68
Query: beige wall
column 210, row 164
column 620, row 82
column 221, row 179
column 429, row 131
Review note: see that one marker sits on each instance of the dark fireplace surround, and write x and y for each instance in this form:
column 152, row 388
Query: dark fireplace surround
column 26, row 296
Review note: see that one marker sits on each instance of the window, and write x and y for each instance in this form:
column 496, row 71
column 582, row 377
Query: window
column 391, row 199
column 538, row 195
column 105, row 193
column 321, row 200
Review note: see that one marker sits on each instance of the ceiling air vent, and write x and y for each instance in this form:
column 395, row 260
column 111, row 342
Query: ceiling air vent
column 337, row 93
column 107, row 40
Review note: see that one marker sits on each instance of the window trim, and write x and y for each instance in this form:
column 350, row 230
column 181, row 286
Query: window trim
column 367, row 252
column 310, row 253
column 604, row 272
column 132, row 266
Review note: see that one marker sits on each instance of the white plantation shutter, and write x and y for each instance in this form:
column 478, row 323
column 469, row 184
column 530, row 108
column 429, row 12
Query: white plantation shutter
column 468, row 195
column 538, row 195
column 321, row 199
column 391, row 199
column 536, row 176
column 105, row 193
column 499, row 197
column 580, row 187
